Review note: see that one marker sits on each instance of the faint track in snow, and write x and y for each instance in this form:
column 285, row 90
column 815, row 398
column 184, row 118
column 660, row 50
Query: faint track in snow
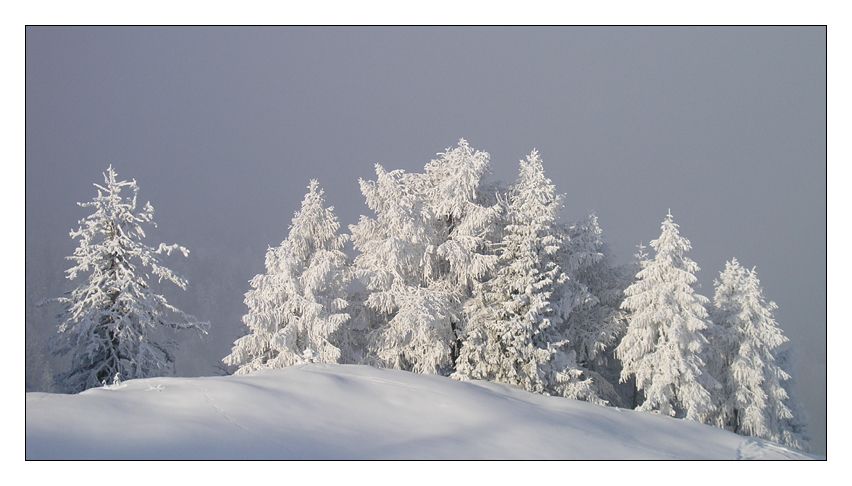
column 272, row 440
column 752, row 449
column 219, row 410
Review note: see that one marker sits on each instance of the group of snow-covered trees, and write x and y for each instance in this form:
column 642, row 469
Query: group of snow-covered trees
column 458, row 275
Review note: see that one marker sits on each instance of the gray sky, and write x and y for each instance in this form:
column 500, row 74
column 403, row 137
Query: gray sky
column 223, row 127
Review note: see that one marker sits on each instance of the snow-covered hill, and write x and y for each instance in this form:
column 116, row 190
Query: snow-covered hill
column 357, row 412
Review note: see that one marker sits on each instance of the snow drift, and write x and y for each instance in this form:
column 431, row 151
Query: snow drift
column 357, row 412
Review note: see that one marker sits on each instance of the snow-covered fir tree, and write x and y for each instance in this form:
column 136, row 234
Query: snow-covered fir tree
column 110, row 323
column 420, row 256
column 754, row 396
column 466, row 219
column 664, row 342
column 463, row 214
column 404, row 324
column 794, row 431
column 297, row 309
column 514, row 329
column 630, row 396
column 595, row 323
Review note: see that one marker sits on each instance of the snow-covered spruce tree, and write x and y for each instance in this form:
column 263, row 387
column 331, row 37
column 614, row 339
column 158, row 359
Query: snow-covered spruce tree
column 464, row 215
column 109, row 322
column 297, row 309
column 630, row 396
column 595, row 288
column 794, row 431
column 466, row 218
column 724, row 341
column 513, row 330
column 404, row 324
column 664, row 341
column 754, row 398
column 420, row 256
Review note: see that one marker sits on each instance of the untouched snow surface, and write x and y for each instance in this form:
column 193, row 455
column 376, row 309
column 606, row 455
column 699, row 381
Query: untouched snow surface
column 357, row 412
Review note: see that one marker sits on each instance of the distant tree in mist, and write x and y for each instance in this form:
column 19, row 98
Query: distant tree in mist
column 755, row 398
column 594, row 321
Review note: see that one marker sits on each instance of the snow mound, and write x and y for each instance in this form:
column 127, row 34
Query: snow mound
column 357, row 412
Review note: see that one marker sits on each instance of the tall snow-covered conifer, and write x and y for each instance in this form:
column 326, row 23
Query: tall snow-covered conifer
column 514, row 329
column 420, row 256
column 794, row 431
column 755, row 400
column 627, row 387
column 463, row 216
column 404, row 323
column 595, row 322
column 664, row 342
column 297, row 309
column 109, row 322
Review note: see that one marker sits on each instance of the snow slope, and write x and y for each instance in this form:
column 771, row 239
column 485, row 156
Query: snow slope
column 357, row 412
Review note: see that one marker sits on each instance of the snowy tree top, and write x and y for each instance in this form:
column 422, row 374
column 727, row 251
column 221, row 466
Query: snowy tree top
column 455, row 176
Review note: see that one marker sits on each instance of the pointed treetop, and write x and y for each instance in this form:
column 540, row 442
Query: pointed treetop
column 754, row 283
column 532, row 168
column 315, row 192
column 730, row 276
column 534, row 154
column 670, row 241
column 668, row 222
column 314, row 186
column 534, row 189
column 111, row 178
column 312, row 198
column 454, row 178
column 110, row 175
column 463, row 150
